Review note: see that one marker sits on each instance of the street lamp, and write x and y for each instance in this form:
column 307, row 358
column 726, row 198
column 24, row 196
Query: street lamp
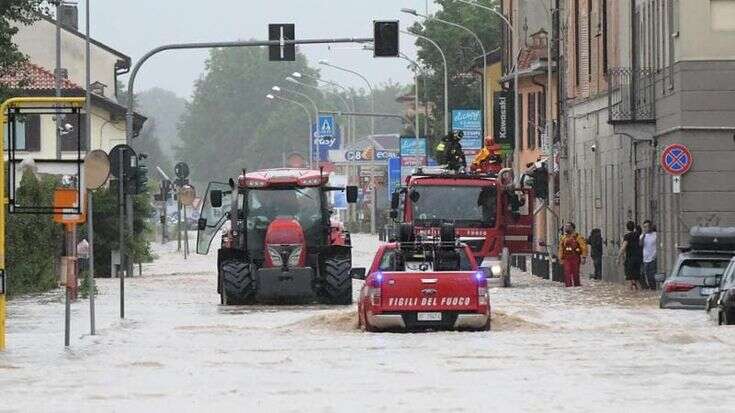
column 349, row 93
column 367, row 82
column 344, row 101
column 516, row 103
column 308, row 119
column 446, row 79
column 316, row 117
column 479, row 42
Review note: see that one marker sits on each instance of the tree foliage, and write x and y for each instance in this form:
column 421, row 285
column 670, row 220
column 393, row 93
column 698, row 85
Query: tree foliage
column 462, row 52
column 32, row 240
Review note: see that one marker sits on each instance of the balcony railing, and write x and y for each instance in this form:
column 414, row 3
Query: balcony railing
column 632, row 96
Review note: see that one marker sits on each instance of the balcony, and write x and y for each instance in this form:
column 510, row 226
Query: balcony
column 632, row 96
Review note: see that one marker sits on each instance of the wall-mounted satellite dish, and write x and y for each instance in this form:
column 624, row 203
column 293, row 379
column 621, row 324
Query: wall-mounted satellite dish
column 96, row 169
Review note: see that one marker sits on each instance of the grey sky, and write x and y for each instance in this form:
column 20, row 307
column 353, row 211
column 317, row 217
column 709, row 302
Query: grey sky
column 155, row 22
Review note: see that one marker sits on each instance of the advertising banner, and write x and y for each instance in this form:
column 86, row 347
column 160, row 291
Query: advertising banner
column 503, row 121
column 469, row 121
column 394, row 175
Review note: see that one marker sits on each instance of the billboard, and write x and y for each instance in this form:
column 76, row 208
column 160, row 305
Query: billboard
column 503, row 121
column 413, row 153
column 394, row 175
column 469, row 121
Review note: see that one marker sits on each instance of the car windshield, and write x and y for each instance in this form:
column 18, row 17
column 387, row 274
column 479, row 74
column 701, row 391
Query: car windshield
column 303, row 204
column 466, row 205
column 702, row 268
column 394, row 260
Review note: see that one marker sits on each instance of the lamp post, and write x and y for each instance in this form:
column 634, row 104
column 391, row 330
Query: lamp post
column 516, row 103
column 482, row 47
column 446, row 78
column 416, row 69
column 316, row 117
column 349, row 93
column 308, row 119
column 367, row 82
column 344, row 101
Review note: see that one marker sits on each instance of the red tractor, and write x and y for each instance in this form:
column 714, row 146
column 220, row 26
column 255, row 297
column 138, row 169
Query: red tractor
column 490, row 214
column 279, row 244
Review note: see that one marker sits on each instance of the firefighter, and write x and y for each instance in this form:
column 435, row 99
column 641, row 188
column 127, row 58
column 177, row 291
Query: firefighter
column 449, row 152
column 488, row 160
column 572, row 253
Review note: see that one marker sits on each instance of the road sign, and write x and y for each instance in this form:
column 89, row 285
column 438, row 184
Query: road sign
column 676, row 159
column 282, row 52
column 129, row 160
column 326, row 126
column 676, row 184
column 326, row 137
column 181, row 170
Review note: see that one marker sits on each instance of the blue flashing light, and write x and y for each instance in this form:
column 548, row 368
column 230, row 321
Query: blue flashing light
column 479, row 275
column 379, row 277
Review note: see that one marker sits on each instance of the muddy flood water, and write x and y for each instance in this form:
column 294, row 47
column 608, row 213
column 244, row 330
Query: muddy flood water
column 595, row 348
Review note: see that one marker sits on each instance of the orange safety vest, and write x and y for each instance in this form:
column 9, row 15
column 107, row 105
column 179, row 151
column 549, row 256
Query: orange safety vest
column 572, row 245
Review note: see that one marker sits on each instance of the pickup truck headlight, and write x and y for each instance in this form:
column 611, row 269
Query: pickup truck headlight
column 497, row 270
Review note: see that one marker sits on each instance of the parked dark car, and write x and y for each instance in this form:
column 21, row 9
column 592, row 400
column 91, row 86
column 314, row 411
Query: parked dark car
column 720, row 305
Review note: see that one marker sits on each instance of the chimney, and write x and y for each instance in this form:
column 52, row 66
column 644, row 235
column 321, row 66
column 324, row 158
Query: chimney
column 68, row 15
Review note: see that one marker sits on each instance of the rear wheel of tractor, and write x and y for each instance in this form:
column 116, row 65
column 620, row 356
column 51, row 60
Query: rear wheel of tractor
column 238, row 283
column 337, row 285
column 505, row 264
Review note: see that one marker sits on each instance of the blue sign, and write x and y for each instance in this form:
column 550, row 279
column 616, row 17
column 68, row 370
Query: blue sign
column 326, row 137
column 469, row 121
column 410, row 146
column 394, row 175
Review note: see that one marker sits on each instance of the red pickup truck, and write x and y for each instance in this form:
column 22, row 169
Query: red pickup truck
column 424, row 285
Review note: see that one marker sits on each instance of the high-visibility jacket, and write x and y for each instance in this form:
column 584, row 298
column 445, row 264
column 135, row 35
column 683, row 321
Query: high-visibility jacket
column 572, row 245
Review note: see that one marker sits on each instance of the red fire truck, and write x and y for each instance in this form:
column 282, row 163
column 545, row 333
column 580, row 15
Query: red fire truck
column 490, row 213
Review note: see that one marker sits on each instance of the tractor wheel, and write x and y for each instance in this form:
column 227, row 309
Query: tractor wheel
column 238, row 283
column 505, row 264
column 337, row 282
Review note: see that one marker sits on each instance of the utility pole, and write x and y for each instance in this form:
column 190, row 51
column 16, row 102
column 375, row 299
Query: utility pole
column 57, row 75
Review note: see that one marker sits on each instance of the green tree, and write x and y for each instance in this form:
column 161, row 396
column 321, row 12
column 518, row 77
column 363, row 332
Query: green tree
column 32, row 240
column 462, row 53
column 13, row 13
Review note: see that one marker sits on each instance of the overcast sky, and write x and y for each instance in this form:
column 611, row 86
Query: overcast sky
column 136, row 26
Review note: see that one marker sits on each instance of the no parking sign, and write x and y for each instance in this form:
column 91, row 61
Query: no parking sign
column 676, row 160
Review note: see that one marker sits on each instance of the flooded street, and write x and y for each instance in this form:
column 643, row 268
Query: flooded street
column 595, row 348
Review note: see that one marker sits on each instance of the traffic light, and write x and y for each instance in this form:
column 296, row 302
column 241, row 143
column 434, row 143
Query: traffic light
column 385, row 38
column 541, row 182
column 140, row 179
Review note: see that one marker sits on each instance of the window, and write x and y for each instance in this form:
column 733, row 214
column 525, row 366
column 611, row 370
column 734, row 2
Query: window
column 604, row 36
column 532, row 125
column 702, row 268
column 69, row 141
column 577, row 59
column 27, row 133
column 541, row 116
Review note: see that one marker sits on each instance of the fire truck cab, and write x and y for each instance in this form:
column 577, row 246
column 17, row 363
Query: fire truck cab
column 490, row 214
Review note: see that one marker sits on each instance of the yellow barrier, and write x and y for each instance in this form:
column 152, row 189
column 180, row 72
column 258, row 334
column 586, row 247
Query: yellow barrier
column 29, row 102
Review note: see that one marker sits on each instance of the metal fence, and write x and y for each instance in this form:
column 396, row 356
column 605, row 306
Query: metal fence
column 632, row 96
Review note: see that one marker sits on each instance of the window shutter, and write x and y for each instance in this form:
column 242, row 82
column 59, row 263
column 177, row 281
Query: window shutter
column 33, row 133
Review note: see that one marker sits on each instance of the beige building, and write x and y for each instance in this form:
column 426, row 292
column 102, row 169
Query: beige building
column 36, row 136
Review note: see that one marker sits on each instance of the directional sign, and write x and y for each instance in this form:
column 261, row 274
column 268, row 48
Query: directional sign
column 676, row 159
column 283, row 52
column 676, row 184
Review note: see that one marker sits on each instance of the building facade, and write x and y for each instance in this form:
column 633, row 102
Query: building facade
column 641, row 75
